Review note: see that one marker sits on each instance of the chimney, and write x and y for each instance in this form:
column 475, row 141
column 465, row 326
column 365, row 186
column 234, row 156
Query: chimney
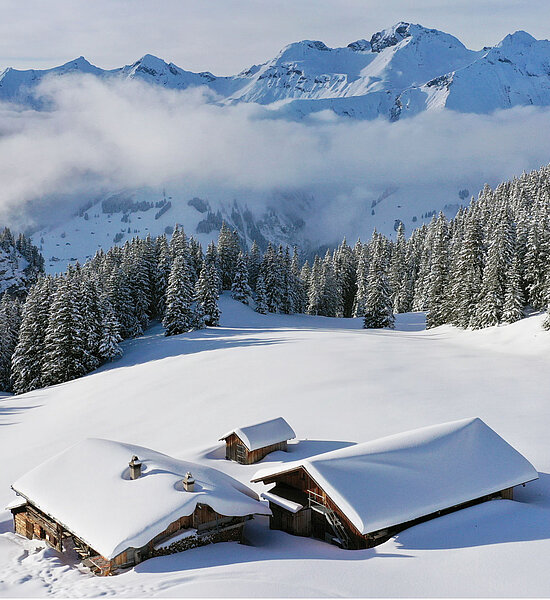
column 135, row 467
column 188, row 482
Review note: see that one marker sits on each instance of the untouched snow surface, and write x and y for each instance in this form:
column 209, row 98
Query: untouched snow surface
column 337, row 384
column 264, row 434
column 405, row 476
column 88, row 489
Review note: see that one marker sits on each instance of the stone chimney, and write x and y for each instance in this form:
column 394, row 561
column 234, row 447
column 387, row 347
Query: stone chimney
column 189, row 482
column 135, row 467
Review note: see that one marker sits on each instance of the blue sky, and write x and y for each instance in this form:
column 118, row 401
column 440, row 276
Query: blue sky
column 225, row 36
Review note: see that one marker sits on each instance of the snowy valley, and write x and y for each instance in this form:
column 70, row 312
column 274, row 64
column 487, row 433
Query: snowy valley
column 355, row 239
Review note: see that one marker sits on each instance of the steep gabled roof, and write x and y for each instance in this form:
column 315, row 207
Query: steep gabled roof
column 263, row 434
column 399, row 478
column 88, row 489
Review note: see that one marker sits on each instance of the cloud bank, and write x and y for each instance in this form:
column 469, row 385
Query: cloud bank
column 129, row 134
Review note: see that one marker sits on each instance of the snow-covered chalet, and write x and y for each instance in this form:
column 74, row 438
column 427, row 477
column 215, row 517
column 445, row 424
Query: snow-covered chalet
column 359, row 496
column 247, row 445
column 118, row 504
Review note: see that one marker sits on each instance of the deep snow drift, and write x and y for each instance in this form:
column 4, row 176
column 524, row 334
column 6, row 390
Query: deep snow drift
column 336, row 384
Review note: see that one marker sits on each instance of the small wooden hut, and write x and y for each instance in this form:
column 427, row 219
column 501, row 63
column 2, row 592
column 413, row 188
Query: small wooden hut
column 359, row 496
column 117, row 512
column 247, row 445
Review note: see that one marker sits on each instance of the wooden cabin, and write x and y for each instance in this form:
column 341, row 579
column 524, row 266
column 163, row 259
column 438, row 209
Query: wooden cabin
column 359, row 496
column 248, row 445
column 118, row 504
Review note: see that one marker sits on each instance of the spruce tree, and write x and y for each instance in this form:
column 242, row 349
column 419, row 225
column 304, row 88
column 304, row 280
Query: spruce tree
column 109, row 347
column 228, row 252
column 240, row 290
column 438, row 277
column 29, row 351
column 65, row 347
column 254, row 263
column 10, row 322
column 378, row 303
column 261, row 296
column 206, row 295
column 362, row 283
column 315, row 288
column 512, row 310
column 178, row 317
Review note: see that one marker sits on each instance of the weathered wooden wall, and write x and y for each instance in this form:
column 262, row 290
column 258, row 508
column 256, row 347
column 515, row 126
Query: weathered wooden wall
column 33, row 523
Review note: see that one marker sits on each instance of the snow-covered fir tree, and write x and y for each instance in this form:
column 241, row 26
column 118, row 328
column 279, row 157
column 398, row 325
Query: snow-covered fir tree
column 345, row 268
column 228, row 252
column 362, row 282
column 254, row 263
column 10, row 322
column 206, row 294
column 261, row 296
column 109, row 343
column 240, row 290
column 65, row 346
column 378, row 303
column 178, row 316
column 28, row 355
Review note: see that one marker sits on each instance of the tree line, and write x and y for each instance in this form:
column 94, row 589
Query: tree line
column 481, row 268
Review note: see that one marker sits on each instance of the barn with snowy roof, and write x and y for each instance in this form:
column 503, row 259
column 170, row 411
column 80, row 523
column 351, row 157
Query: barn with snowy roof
column 118, row 504
column 247, row 445
column 359, row 496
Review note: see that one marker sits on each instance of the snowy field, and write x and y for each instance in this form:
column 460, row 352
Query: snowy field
column 335, row 383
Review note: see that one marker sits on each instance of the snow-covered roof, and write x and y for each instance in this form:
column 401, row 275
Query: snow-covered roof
column 402, row 477
column 289, row 505
column 263, row 434
column 16, row 503
column 88, row 489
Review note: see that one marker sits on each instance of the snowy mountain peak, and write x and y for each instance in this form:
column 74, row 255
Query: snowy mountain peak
column 300, row 50
column 360, row 46
column 80, row 64
column 390, row 37
column 517, row 39
column 152, row 65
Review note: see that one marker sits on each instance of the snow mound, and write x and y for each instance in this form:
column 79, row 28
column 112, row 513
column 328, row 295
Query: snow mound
column 399, row 478
column 88, row 489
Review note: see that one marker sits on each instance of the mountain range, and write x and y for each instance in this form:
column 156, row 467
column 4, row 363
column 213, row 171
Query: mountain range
column 401, row 71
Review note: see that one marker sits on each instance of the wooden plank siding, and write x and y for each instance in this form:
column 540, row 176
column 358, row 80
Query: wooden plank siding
column 235, row 449
column 300, row 479
column 33, row 523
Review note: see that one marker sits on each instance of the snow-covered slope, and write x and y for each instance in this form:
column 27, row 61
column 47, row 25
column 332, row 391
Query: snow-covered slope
column 336, row 384
column 118, row 217
column 401, row 71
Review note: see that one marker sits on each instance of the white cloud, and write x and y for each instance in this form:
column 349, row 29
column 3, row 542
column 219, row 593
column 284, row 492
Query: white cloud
column 131, row 134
